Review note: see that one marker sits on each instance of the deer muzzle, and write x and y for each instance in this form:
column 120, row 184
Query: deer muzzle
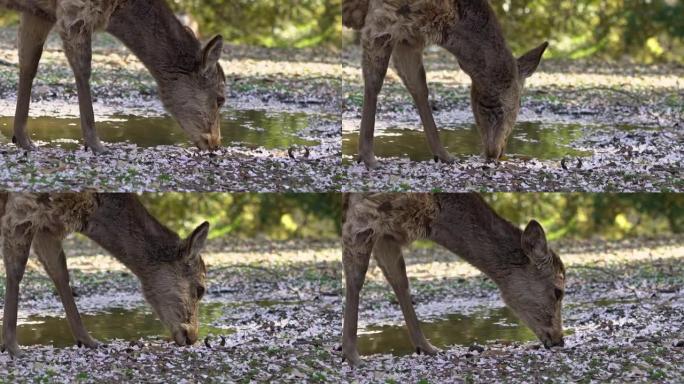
column 553, row 339
column 493, row 151
column 186, row 334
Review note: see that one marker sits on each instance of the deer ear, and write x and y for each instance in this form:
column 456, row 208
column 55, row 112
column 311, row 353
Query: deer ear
column 211, row 53
column 195, row 242
column 528, row 62
column 534, row 244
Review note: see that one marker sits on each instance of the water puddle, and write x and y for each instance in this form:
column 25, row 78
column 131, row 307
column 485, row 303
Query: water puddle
column 529, row 140
column 273, row 130
column 113, row 323
column 481, row 327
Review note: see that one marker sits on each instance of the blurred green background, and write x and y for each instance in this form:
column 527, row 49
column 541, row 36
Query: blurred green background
column 314, row 216
column 269, row 23
column 584, row 215
column 643, row 31
column 278, row 216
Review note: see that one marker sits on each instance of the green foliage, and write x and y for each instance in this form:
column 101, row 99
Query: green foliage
column 583, row 215
column 646, row 31
column 270, row 23
column 287, row 216
column 276, row 216
column 639, row 30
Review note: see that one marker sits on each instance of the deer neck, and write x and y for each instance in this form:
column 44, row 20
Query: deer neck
column 123, row 227
column 467, row 226
column 154, row 34
column 476, row 39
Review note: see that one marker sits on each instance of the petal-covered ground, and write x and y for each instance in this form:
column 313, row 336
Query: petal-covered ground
column 257, row 79
column 631, row 119
column 624, row 312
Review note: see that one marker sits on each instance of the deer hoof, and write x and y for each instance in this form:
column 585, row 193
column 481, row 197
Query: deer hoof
column 446, row 159
column 14, row 351
column 428, row 349
column 91, row 343
column 2, row 348
column 371, row 163
column 24, row 144
column 352, row 358
column 369, row 160
column 98, row 149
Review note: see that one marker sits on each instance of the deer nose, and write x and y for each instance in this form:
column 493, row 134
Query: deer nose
column 550, row 342
column 214, row 142
column 210, row 141
column 493, row 152
column 191, row 336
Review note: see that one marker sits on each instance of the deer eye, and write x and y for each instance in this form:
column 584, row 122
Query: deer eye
column 200, row 292
column 220, row 101
column 559, row 293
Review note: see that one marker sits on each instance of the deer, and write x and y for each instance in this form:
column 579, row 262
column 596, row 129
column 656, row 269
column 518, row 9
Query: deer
column 400, row 29
column 188, row 74
column 529, row 275
column 170, row 269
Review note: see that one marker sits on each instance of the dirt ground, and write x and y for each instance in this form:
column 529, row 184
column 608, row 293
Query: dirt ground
column 598, row 96
column 623, row 309
column 257, row 79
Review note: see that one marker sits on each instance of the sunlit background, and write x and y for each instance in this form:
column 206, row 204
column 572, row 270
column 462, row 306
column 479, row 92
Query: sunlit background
column 641, row 31
column 270, row 23
column 289, row 216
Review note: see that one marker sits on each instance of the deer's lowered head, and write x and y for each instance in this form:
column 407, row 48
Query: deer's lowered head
column 533, row 287
column 194, row 97
column 476, row 38
column 175, row 286
column 171, row 270
column 530, row 276
column 496, row 101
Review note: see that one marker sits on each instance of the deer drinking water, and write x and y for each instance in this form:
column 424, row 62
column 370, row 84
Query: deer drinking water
column 170, row 269
column 470, row 31
column 530, row 276
column 190, row 80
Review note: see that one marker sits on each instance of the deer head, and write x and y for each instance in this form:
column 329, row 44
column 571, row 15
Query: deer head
column 195, row 97
column 175, row 286
column 496, row 100
column 534, row 288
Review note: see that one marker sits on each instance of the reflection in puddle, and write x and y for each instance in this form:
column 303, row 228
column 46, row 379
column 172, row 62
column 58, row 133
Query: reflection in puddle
column 458, row 329
column 249, row 127
column 528, row 140
column 115, row 323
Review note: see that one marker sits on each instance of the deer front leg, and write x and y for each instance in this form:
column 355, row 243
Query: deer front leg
column 77, row 46
column 388, row 254
column 408, row 61
column 50, row 253
column 375, row 61
column 32, row 34
column 16, row 244
column 355, row 258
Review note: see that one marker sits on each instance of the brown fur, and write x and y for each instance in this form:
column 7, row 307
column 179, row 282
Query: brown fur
column 171, row 271
column 470, row 31
column 191, row 82
column 374, row 216
column 531, row 277
column 354, row 13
